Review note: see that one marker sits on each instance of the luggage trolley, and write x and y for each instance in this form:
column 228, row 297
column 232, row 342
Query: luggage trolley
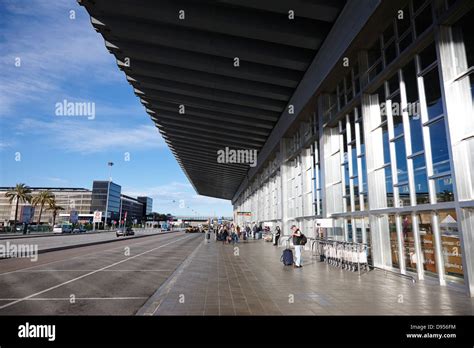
column 347, row 256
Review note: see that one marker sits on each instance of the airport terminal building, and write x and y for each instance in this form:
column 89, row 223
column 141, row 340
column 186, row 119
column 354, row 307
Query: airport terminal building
column 361, row 113
column 385, row 148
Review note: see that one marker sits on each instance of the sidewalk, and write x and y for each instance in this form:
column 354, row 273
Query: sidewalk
column 215, row 282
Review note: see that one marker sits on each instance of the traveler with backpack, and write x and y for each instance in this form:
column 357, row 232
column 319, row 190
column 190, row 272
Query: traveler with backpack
column 299, row 241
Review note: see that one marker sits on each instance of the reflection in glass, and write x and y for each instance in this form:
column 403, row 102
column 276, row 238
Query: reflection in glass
column 389, row 185
column 404, row 195
column 444, row 189
column 409, row 250
column 392, row 226
column 416, row 134
column 421, row 180
column 427, row 243
column 386, row 145
column 439, row 147
column 402, row 169
column 451, row 245
column 434, row 102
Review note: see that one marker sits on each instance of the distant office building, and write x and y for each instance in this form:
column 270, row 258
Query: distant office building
column 147, row 204
column 106, row 198
column 132, row 208
column 78, row 199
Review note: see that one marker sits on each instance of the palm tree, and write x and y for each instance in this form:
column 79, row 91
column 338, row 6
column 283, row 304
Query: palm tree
column 42, row 199
column 54, row 208
column 21, row 193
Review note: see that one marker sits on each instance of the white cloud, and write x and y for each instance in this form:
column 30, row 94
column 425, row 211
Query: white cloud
column 89, row 136
column 55, row 52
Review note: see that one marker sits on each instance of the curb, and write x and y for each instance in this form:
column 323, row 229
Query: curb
column 151, row 305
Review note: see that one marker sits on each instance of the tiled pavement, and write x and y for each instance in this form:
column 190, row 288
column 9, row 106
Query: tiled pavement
column 219, row 281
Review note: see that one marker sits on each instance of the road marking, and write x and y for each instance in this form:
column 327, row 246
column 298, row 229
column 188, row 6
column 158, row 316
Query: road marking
column 88, row 274
column 77, row 298
column 91, row 270
column 79, row 256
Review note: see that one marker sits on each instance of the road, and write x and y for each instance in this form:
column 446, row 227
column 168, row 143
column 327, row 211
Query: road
column 109, row 279
column 51, row 241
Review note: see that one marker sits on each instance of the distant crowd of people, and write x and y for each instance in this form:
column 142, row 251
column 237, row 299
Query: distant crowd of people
column 231, row 234
column 228, row 233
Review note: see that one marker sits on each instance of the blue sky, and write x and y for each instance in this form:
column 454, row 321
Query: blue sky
column 65, row 59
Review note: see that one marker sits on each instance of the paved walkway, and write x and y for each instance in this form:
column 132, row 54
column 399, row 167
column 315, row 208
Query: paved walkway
column 216, row 281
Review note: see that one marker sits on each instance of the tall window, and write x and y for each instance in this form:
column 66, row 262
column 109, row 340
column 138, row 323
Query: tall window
column 434, row 120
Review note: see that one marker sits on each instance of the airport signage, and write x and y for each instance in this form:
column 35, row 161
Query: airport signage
column 26, row 214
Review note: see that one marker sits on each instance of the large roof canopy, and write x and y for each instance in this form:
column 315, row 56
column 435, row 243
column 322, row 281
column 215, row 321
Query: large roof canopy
column 184, row 53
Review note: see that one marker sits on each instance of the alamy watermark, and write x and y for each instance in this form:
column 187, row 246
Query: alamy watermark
column 67, row 108
column 241, row 156
column 27, row 251
column 412, row 109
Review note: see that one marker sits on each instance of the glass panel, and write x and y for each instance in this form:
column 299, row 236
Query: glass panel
column 397, row 116
column 451, row 245
column 423, row 20
column 417, row 4
column 388, row 34
column 369, row 240
column 402, row 170
column 354, row 161
column 364, row 174
column 404, row 196
column 386, row 145
column 346, row 178
column 416, row 134
column 421, row 180
column 405, row 41
column 390, row 53
column 381, row 99
column 403, row 22
column 427, row 243
column 439, row 147
column 389, row 185
column 434, row 102
column 428, row 56
column 392, row 226
column 408, row 243
column 374, row 53
column 467, row 27
column 356, row 194
column 409, row 77
column 393, row 84
column 444, row 189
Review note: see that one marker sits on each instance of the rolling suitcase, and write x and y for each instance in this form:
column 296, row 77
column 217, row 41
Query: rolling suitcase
column 287, row 256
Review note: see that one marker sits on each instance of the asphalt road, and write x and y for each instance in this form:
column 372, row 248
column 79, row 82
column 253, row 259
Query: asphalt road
column 51, row 241
column 93, row 280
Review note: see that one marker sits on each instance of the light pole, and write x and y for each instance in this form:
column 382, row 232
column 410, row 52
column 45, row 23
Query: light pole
column 110, row 164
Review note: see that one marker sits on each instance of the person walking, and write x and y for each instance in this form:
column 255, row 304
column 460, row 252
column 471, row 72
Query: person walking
column 277, row 235
column 297, row 242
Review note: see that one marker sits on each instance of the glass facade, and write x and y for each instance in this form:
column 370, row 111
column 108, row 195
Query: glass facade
column 106, row 198
column 392, row 156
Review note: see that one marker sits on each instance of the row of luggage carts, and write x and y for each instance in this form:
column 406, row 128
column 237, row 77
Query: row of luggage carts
column 347, row 256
